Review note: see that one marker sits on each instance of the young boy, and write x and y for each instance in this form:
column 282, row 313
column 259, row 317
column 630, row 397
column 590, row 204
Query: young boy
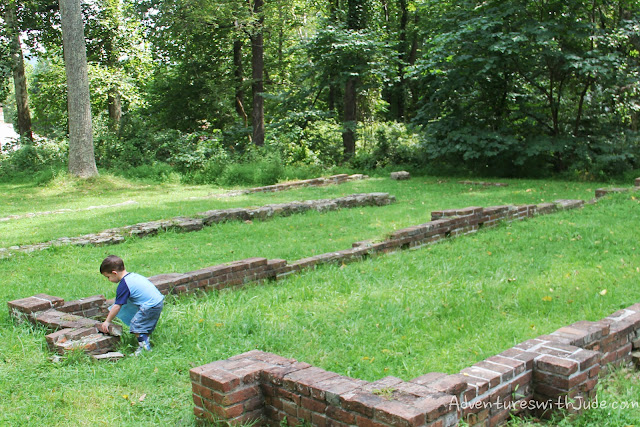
column 139, row 299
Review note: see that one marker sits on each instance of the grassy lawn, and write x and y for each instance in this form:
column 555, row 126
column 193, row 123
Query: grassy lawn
column 439, row 308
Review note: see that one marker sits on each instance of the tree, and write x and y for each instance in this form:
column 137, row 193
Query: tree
column 17, row 65
column 81, row 152
column 513, row 86
column 257, row 73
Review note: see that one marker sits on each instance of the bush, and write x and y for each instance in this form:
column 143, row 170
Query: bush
column 26, row 157
column 155, row 172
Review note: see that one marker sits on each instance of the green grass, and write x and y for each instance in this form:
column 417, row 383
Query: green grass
column 439, row 308
column 417, row 198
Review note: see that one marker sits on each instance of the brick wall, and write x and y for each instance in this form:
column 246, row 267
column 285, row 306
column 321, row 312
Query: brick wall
column 73, row 323
column 538, row 376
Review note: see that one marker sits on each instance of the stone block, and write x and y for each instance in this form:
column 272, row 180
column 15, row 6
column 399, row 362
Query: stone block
column 401, row 175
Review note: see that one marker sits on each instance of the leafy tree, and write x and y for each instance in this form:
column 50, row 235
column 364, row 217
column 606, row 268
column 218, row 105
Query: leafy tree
column 17, row 65
column 513, row 85
column 350, row 53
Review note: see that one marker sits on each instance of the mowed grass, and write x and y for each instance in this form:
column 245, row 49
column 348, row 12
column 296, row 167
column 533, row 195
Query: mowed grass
column 416, row 199
column 439, row 308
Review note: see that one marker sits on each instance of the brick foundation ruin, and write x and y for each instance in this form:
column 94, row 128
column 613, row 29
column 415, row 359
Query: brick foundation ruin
column 538, row 376
column 205, row 219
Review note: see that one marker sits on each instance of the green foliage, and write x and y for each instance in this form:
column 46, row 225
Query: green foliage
column 386, row 144
column 48, row 98
column 511, row 85
column 154, row 172
column 5, row 69
column 26, row 158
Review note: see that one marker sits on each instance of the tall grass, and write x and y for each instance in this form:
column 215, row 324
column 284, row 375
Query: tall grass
column 439, row 308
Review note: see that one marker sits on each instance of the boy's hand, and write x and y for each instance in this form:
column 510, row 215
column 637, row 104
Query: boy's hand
column 104, row 327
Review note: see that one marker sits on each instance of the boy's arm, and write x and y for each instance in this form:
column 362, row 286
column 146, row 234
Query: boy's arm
column 112, row 313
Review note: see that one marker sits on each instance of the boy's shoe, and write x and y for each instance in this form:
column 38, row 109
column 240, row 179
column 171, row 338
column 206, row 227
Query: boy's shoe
column 142, row 347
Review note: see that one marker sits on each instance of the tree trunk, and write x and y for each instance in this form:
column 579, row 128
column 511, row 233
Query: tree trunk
column 19, row 78
column 257, row 73
column 238, row 73
column 349, row 125
column 82, row 161
column 114, row 102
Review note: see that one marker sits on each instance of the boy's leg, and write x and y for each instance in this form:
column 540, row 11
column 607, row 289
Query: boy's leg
column 142, row 324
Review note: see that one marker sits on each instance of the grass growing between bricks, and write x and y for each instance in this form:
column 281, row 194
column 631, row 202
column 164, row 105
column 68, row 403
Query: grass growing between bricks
column 439, row 308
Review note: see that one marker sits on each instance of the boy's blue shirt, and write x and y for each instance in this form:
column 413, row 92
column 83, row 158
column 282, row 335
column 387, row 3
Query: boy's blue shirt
column 137, row 290
column 134, row 292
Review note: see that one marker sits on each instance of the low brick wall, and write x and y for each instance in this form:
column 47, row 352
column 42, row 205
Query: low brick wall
column 538, row 376
column 284, row 186
column 484, row 184
column 183, row 224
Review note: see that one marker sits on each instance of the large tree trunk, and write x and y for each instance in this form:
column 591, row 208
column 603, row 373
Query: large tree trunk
column 257, row 73
column 82, row 161
column 19, row 78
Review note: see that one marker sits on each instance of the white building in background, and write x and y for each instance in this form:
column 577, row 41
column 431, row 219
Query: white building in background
column 7, row 133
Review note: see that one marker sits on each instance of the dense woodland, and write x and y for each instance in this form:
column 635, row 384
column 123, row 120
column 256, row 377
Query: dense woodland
column 204, row 89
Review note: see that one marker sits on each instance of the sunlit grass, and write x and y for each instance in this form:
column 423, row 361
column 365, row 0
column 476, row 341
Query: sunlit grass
column 439, row 308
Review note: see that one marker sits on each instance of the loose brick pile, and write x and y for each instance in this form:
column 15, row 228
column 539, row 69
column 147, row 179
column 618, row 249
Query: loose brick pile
column 182, row 224
column 74, row 323
column 532, row 377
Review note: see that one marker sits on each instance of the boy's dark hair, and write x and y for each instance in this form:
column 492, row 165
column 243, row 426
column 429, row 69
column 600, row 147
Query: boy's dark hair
column 111, row 263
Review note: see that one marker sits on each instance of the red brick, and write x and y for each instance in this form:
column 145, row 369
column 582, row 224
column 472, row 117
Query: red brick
column 364, row 422
column 223, row 412
column 330, row 390
column 318, row 420
column 338, row 414
column 518, row 366
column 483, row 378
column 290, row 408
column 219, row 380
column 586, row 358
column 360, row 402
column 506, row 372
column 556, row 365
column 253, row 404
column 399, row 414
column 304, row 414
column 435, row 407
column 429, row 378
column 254, row 418
column 288, row 395
column 240, row 395
column 499, row 418
column 302, row 379
column 313, row 405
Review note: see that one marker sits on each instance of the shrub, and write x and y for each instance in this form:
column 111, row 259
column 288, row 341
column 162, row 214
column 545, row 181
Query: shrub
column 26, row 157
